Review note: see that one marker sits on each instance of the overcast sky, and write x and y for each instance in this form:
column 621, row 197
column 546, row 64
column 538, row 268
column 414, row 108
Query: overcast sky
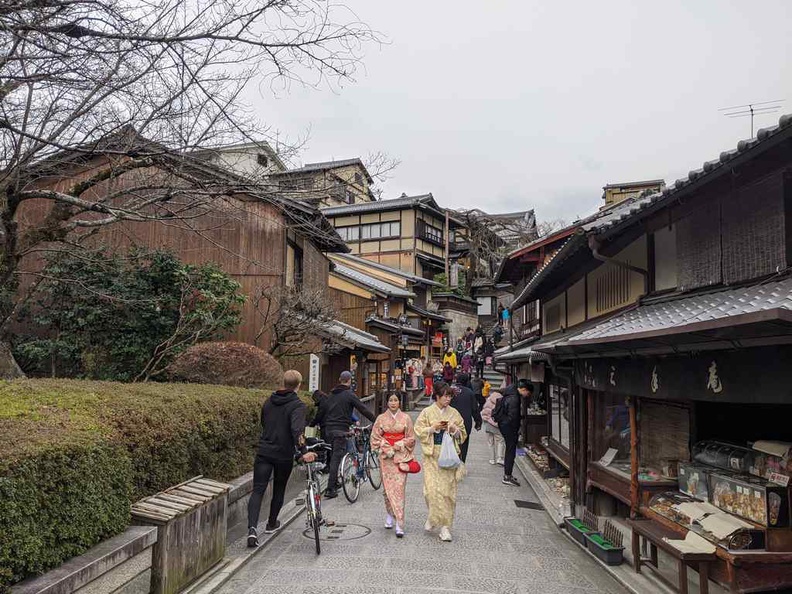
column 515, row 104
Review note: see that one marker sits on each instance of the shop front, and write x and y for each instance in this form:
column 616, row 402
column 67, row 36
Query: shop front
column 696, row 443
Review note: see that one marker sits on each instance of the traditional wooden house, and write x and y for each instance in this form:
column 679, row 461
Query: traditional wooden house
column 665, row 349
column 259, row 238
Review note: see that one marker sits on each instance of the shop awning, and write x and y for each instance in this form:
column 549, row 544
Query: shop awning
column 394, row 327
column 353, row 338
column 432, row 315
column 756, row 315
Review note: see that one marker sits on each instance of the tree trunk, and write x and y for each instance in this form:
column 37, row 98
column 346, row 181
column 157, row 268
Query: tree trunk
column 9, row 369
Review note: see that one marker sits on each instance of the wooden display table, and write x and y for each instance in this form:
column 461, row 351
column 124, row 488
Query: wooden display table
column 654, row 534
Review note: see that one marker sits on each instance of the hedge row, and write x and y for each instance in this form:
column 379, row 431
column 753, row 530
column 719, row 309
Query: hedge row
column 74, row 454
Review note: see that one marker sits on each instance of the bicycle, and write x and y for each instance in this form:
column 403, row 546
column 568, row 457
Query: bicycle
column 313, row 493
column 359, row 466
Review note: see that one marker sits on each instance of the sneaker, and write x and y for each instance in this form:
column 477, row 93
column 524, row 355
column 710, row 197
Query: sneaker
column 328, row 494
column 492, row 461
column 445, row 534
column 500, row 461
column 252, row 538
column 399, row 531
column 510, row 480
column 388, row 521
column 428, row 526
column 272, row 528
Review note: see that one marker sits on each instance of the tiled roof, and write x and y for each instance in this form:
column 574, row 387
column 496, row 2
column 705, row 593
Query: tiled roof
column 382, row 205
column 394, row 327
column 327, row 165
column 569, row 246
column 372, row 283
column 360, row 338
column 427, row 313
column 677, row 314
column 628, row 209
column 395, row 271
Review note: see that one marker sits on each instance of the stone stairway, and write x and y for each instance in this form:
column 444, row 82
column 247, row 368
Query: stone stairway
column 493, row 377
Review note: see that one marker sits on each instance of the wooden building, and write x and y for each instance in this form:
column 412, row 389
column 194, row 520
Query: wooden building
column 665, row 350
column 256, row 236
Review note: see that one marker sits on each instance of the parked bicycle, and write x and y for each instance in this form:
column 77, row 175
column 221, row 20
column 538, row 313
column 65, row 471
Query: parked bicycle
column 313, row 492
column 360, row 465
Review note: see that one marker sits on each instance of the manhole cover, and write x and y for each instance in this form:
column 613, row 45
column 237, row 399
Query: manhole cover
column 339, row 532
column 528, row 504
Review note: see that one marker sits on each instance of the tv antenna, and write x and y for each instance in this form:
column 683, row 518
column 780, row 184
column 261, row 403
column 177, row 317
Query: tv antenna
column 751, row 110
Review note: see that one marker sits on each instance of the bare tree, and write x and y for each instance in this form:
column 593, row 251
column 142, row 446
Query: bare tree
column 488, row 238
column 81, row 78
column 380, row 166
column 295, row 318
column 545, row 228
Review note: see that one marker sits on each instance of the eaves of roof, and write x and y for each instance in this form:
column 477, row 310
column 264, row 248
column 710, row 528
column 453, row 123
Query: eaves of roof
column 572, row 245
column 354, row 337
column 376, row 285
column 395, row 328
column 387, row 269
column 535, row 245
column 427, row 313
column 326, row 166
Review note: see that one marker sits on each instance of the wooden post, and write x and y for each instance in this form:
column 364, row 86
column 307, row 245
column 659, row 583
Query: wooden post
column 633, row 460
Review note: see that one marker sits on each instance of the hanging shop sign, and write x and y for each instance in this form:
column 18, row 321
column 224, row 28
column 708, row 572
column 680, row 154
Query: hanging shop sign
column 749, row 375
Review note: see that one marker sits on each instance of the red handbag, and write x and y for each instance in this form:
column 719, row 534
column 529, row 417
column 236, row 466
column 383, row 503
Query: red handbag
column 413, row 467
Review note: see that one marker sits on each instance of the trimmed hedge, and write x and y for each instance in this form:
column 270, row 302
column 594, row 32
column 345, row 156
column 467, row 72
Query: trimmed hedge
column 74, row 454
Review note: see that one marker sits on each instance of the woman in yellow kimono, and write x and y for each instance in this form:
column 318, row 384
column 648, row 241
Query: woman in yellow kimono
column 440, row 484
column 393, row 437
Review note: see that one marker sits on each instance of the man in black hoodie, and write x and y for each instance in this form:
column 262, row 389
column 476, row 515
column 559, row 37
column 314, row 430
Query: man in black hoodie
column 465, row 402
column 335, row 417
column 507, row 414
column 282, row 429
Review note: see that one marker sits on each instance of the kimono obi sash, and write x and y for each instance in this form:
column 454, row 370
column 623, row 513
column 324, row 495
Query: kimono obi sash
column 392, row 438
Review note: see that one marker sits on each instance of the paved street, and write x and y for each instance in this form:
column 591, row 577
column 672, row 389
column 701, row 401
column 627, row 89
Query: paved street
column 497, row 548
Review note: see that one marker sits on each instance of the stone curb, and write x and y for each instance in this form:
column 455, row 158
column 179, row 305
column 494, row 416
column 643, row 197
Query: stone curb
column 551, row 502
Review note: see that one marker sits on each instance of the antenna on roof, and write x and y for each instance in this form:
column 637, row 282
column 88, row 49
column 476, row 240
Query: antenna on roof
column 752, row 109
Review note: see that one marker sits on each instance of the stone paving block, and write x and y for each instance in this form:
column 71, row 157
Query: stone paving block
column 482, row 584
column 431, row 565
column 307, row 576
column 402, row 578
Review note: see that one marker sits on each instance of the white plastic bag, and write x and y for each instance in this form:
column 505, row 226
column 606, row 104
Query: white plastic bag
column 448, row 454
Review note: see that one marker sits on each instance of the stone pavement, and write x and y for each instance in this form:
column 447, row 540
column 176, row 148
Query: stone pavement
column 497, row 547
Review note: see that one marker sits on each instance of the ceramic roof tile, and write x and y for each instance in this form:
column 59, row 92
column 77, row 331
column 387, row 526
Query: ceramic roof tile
column 372, row 282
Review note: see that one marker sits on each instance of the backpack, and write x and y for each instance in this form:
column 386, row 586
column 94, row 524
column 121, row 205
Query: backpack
column 499, row 413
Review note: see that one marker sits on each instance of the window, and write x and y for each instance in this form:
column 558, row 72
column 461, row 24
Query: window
column 359, row 178
column 612, row 288
column 262, row 159
column 430, row 233
column 611, row 426
column 380, row 230
column 349, row 233
column 350, row 197
column 294, row 265
column 485, row 306
column 559, row 407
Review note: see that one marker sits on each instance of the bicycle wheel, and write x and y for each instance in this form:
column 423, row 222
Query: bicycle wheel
column 312, row 509
column 349, row 479
column 373, row 470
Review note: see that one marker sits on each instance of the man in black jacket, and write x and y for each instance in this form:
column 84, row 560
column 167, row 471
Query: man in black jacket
column 335, row 417
column 508, row 414
column 282, row 429
column 465, row 402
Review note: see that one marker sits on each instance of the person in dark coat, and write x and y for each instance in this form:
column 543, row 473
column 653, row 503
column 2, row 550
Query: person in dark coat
column 335, row 417
column 282, row 429
column 508, row 419
column 465, row 402
column 477, row 385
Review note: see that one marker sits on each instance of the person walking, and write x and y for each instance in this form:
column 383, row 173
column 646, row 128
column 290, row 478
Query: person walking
column 477, row 385
column 282, row 436
column 394, row 438
column 335, row 417
column 465, row 402
column 507, row 414
column 440, row 484
column 428, row 377
column 494, row 437
column 450, row 358
column 448, row 372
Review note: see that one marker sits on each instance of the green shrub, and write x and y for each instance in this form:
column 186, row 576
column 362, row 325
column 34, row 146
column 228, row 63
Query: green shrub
column 74, row 454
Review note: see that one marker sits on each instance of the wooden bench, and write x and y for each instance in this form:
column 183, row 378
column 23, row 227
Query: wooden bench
column 654, row 534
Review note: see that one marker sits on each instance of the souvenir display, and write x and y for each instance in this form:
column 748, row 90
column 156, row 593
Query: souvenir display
column 724, row 456
column 750, row 497
column 694, row 480
column 775, row 457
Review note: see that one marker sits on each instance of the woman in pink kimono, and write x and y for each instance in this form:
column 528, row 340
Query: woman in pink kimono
column 393, row 437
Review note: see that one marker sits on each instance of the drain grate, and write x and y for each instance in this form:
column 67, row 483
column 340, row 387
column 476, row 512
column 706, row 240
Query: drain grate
column 528, row 504
column 340, row 532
